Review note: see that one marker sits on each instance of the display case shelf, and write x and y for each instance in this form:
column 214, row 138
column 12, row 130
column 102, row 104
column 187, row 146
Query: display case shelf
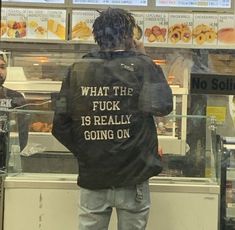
column 35, row 86
column 46, row 141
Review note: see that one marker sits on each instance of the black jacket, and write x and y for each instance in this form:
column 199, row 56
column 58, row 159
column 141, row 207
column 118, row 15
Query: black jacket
column 107, row 123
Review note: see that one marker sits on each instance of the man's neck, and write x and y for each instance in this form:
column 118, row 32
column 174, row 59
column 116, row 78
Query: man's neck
column 119, row 50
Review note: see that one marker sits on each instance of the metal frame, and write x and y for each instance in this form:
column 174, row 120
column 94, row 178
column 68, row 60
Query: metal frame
column 151, row 6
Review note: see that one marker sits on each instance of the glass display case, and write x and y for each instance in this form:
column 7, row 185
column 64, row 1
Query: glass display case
column 39, row 74
column 36, row 157
column 36, row 172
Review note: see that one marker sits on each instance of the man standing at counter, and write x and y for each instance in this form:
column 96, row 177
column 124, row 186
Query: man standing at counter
column 111, row 96
column 10, row 99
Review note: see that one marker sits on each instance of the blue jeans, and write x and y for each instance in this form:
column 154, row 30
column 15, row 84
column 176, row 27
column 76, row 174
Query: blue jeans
column 132, row 205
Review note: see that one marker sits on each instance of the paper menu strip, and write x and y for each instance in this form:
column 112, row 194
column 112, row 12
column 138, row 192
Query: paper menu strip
column 226, row 30
column 37, row 24
column 82, row 22
column 19, row 23
column 56, row 24
column 205, row 29
column 180, row 28
column 16, row 23
column 155, row 28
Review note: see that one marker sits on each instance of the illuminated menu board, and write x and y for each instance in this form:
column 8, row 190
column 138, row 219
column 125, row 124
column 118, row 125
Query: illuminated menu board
column 195, row 3
column 35, row 1
column 113, row 2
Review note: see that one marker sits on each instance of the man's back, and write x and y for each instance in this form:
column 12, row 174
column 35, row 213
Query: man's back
column 111, row 98
column 116, row 141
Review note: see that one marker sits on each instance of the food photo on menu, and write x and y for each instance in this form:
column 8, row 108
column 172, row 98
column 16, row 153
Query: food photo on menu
column 56, row 28
column 155, row 27
column 155, row 34
column 180, row 32
column 36, row 30
column 16, row 29
column 226, row 29
column 203, row 33
column 81, row 30
column 227, row 35
column 205, row 29
column 37, row 24
column 82, row 25
column 13, row 23
column 56, row 24
column 180, row 28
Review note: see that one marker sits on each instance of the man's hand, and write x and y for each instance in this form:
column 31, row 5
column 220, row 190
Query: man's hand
column 160, row 151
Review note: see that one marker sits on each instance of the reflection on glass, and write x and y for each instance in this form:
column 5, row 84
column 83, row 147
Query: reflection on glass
column 195, row 156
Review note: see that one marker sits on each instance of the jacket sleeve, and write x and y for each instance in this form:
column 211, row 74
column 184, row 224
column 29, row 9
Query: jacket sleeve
column 18, row 101
column 155, row 95
column 62, row 123
column 23, row 126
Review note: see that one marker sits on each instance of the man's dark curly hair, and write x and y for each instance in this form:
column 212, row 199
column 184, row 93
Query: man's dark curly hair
column 114, row 28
